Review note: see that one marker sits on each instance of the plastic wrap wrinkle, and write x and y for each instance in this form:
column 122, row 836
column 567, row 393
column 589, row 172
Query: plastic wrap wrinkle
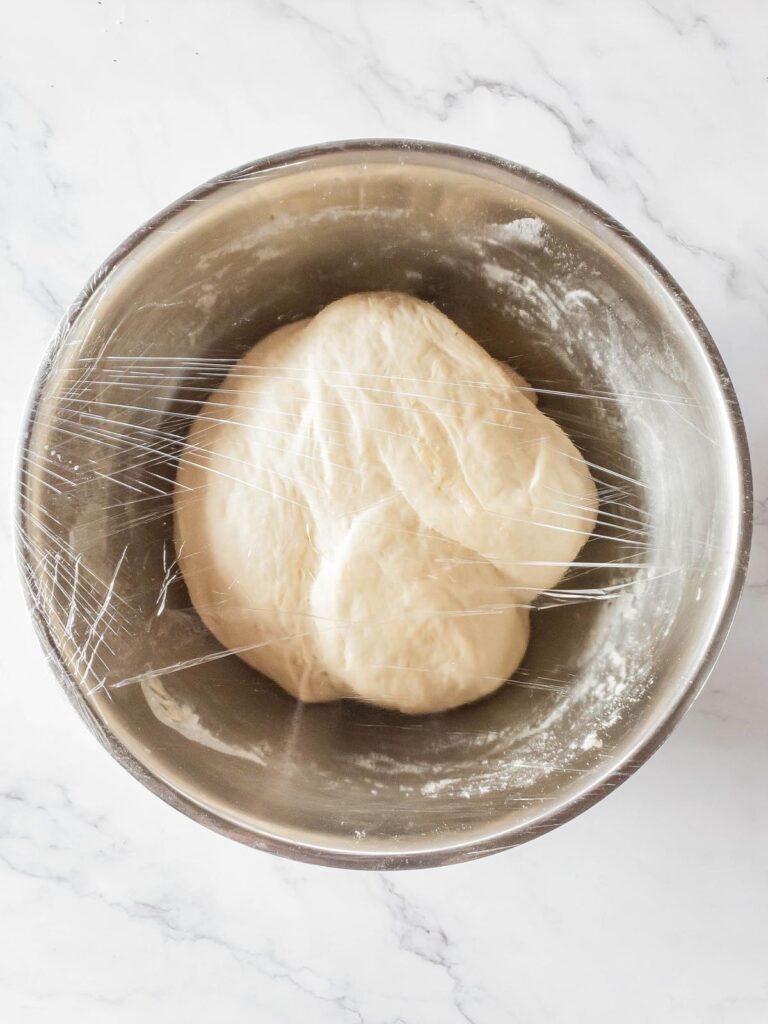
column 160, row 451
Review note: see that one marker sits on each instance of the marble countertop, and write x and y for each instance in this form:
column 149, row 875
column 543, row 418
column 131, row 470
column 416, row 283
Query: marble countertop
column 650, row 907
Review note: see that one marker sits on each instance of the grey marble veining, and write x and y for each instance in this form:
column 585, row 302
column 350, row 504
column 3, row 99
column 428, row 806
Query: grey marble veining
column 652, row 906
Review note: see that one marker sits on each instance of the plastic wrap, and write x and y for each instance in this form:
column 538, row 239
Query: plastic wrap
column 549, row 288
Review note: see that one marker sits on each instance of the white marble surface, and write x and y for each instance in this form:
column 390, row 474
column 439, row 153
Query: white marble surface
column 652, row 906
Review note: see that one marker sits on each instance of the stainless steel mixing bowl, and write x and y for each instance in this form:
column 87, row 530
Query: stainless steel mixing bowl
column 542, row 278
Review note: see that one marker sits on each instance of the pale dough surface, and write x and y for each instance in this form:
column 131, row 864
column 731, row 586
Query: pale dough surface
column 369, row 503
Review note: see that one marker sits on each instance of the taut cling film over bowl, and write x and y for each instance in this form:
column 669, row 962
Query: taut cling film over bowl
column 554, row 290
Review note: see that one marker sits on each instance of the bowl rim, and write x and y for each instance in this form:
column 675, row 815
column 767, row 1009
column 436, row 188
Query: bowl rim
column 458, row 850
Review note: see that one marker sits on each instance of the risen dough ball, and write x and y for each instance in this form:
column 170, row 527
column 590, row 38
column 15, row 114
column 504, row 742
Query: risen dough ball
column 368, row 504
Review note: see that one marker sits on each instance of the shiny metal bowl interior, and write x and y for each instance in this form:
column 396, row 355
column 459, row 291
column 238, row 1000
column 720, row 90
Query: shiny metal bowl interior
column 540, row 277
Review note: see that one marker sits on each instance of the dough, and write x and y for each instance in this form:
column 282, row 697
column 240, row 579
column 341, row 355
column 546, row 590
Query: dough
column 369, row 503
